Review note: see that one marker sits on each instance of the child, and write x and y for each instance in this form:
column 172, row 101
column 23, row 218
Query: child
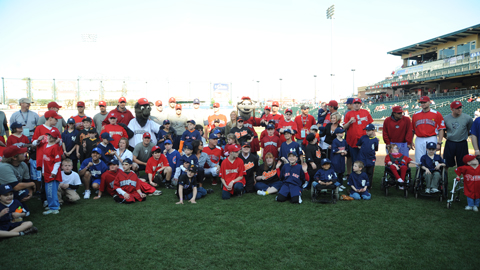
column 287, row 123
column 270, row 143
column 186, row 159
column 127, row 186
column 52, row 158
column 11, row 221
column 232, row 172
column 173, row 158
column 431, row 163
column 70, row 182
column 313, row 155
column 199, row 128
column 231, row 140
column 91, row 170
column 157, row 167
column 265, row 131
column 313, row 130
column 71, row 141
column 17, row 138
column 293, row 176
column 290, row 146
column 337, row 156
column 107, row 148
column 87, row 126
column 88, row 144
column 471, row 176
column 398, row 162
column 325, row 178
column 108, row 179
column 187, row 186
column 267, row 180
column 358, row 181
column 189, row 135
column 368, row 145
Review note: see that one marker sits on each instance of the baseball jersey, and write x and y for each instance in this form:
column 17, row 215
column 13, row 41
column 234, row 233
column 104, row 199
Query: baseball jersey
column 265, row 133
column 211, row 120
column 270, row 174
column 107, row 181
column 116, row 132
column 241, row 134
column 303, row 125
column 108, row 152
column 86, row 151
column 214, row 154
column 325, row 175
column 84, row 133
column 338, row 161
column 127, row 182
column 292, row 147
column 427, row 124
column 471, row 180
column 153, row 165
column 250, row 124
column 52, row 154
column 313, row 154
column 322, row 114
column 189, row 159
column 187, row 183
column 359, row 181
column 79, row 121
column 39, row 131
column 355, row 130
column 367, row 151
column 123, row 155
column 397, row 131
column 189, row 136
column 277, row 118
column 327, row 118
column 251, row 163
column 70, row 140
column 138, row 131
column 270, row 144
column 6, row 223
column 397, row 158
column 293, row 174
column 122, row 117
column 431, row 163
column 18, row 141
column 229, row 171
column 292, row 125
column 96, row 169
column 173, row 159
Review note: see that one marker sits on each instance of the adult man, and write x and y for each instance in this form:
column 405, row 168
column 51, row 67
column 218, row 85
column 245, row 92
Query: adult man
column 198, row 114
column 99, row 117
column 121, row 112
column 178, row 122
column 80, row 116
column 3, row 126
column 216, row 115
column 349, row 104
column 158, row 115
column 355, row 122
column 251, row 167
column 53, row 106
column 14, row 171
column 143, row 151
column 27, row 118
column 170, row 110
column 215, row 153
column 276, row 116
column 397, row 129
column 304, row 122
column 427, row 125
column 457, row 126
column 242, row 133
column 332, row 107
column 115, row 131
column 91, row 171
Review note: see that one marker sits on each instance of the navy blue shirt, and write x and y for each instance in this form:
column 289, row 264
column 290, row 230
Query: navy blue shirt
column 187, row 183
column 338, row 161
column 107, row 158
column 367, row 151
column 430, row 163
column 189, row 159
column 286, row 148
column 173, row 160
column 359, row 181
column 70, row 139
column 292, row 174
column 188, row 137
column 326, row 175
column 320, row 117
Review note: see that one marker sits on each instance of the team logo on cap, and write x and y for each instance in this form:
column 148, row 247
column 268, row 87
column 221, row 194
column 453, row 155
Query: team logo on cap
column 145, row 99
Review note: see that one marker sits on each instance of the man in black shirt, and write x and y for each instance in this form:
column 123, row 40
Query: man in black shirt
column 242, row 133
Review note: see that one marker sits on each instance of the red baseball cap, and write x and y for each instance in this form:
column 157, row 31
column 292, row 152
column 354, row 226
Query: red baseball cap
column 357, row 100
column 13, row 150
column 424, row 99
column 397, row 109
column 146, row 135
column 234, row 148
column 288, row 110
column 52, row 114
column 102, row 103
column 80, row 104
column 216, row 105
column 267, row 108
column 275, row 103
column 178, row 107
column 53, row 104
column 143, row 101
column 466, row 158
column 156, row 147
column 245, row 97
column 158, row 103
column 456, row 104
column 172, row 100
column 122, row 99
column 333, row 103
column 54, row 133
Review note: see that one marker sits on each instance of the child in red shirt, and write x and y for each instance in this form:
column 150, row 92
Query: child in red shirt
column 471, row 181
column 398, row 162
column 157, row 166
column 232, row 173
column 127, row 185
column 52, row 159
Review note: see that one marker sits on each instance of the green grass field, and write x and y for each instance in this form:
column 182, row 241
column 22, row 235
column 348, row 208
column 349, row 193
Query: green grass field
column 250, row 232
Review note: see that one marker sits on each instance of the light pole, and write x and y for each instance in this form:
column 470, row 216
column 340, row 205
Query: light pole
column 258, row 91
column 353, row 91
column 280, row 90
column 315, row 88
column 330, row 13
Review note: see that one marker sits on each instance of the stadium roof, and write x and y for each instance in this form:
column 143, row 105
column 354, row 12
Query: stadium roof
column 438, row 40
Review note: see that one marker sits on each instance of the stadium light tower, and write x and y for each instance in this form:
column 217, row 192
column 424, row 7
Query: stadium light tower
column 258, row 91
column 315, row 88
column 330, row 13
column 280, row 90
column 353, row 91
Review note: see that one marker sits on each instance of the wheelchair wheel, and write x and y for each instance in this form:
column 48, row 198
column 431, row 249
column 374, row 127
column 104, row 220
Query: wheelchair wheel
column 406, row 192
column 382, row 186
column 312, row 193
column 441, row 198
column 386, row 192
column 449, row 205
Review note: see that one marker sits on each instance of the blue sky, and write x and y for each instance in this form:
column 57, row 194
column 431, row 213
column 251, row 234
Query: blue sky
column 222, row 41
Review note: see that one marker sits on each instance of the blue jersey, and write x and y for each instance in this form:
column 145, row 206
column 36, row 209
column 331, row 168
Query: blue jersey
column 292, row 147
column 325, row 175
column 161, row 135
column 96, row 170
column 359, row 181
column 189, row 136
column 174, row 159
column 338, row 161
column 367, row 151
column 189, row 159
column 430, row 163
column 70, row 139
column 107, row 158
column 6, row 223
column 292, row 174
column 322, row 114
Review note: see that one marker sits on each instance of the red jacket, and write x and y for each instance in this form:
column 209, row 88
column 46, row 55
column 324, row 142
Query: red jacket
column 471, row 180
column 122, row 117
column 397, row 131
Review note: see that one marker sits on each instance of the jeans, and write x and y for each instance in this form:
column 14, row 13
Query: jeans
column 473, row 202
column 237, row 189
column 356, row 196
column 51, row 189
column 201, row 192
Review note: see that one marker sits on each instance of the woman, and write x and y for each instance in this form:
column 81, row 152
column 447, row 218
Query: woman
column 123, row 153
column 329, row 131
column 267, row 180
column 232, row 123
column 202, row 159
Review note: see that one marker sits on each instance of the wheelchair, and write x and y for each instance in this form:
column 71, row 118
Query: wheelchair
column 419, row 185
column 389, row 181
column 325, row 195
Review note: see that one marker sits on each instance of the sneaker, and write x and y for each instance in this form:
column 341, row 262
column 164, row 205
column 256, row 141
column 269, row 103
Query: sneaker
column 342, row 187
column 48, row 208
column 401, row 187
column 210, row 191
column 87, row 194
column 30, row 230
column 45, row 204
column 427, row 190
column 51, row 212
column 434, row 190
column 468, row 208
column 475, row 209
column 157, row 192
column 400, row 180
column 261, row 192
column 214, row 182
column 170, row 186
column 299, row 199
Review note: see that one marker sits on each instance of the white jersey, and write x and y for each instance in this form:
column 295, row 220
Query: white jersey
column 138, row 131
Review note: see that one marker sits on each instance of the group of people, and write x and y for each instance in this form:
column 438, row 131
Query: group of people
column 41, row 154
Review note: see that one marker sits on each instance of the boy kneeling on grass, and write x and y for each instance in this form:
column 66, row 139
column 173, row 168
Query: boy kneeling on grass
column 358, row 181
column 471, row 180
column 11, row 215
column 295, row 178
column 70, row 183
column 187, row 186
column 232, row 173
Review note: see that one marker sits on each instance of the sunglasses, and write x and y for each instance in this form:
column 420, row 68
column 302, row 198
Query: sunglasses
column 101, row 105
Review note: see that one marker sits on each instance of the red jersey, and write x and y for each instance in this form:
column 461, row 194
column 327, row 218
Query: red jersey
column 79, row 121
column 116, row 132
column 106, row 184
column 230, row 171
column 39, row 131
column 127, row 182
column 51, row 155
column 396, row 156
column 211, row 121
column 14, row 140
column 154, row 165
column 303, row 123
column 277, row 118
column 265, row 133
column 471, row 180
column 270, row 144
column 250, row 124
column 327, row 119
column 214, row 154
column 427, row 124
column 355, row 130
column 287, row 125
column 266, row 117
column 122, row 117
column 397, row 131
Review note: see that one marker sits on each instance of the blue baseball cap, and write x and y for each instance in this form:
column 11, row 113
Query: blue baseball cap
column 167, row 142
column 287, row 131
column 166, row 121
column 196, row 101
column 212, row 136
column 270, row 126
column 98, row 150
column 15, row 125
column 325, row 161
column 188, row 146
column 105, row 135
column 191, row 121
column 349, row 101
column 127, row 160
column 4, row 189
column 113, row 162
column 431, row 145
column 369, row 127
column 339, row 130
column 71, row 121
